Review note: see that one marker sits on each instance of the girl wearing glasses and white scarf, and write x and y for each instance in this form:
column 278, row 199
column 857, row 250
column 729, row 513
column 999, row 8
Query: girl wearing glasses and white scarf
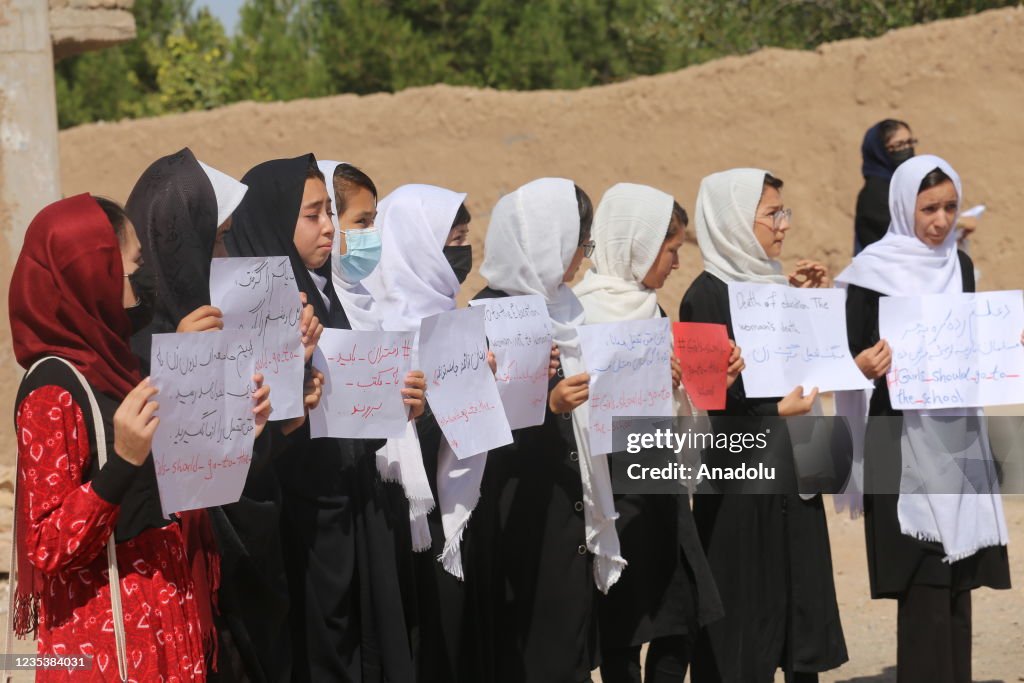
column 769, row 552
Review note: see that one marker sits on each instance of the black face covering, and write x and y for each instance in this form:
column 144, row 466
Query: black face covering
column 144, row 286
column 902, row 155
column 461, row 260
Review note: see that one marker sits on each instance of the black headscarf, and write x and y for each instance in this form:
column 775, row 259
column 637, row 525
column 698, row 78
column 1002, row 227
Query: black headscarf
column 264, row 225
column 875, row 159
column 174, row 210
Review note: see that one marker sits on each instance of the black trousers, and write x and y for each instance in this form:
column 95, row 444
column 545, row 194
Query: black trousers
column 667, row 661
column 933, row 636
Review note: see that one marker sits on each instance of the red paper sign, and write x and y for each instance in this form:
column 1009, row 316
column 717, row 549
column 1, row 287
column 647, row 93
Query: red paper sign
column 703, row 351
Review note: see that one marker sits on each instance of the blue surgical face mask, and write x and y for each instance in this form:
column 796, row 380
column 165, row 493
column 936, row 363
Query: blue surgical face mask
column 362, row 254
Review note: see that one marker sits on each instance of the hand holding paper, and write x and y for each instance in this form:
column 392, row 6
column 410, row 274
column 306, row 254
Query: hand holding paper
column 461, row 387
column 792, row 337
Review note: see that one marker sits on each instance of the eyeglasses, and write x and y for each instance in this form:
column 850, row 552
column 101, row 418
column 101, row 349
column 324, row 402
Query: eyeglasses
column 779, row 216
column 588, row 248
column 901, row 145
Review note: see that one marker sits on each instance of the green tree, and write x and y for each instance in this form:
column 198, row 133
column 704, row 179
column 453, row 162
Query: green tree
column 285, row 49
column 192, row 67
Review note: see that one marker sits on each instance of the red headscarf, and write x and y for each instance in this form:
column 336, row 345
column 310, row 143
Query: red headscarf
column 66, row 295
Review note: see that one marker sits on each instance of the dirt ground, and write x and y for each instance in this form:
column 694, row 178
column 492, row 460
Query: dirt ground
column 960, row 84
column 870, row 625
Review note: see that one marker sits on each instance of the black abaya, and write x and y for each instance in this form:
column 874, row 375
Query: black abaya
column 345, row 535
column 174, row 210
column 871, row 220
column 769, row 553
column 667, row 591
column 527, row 560
column 896, row 561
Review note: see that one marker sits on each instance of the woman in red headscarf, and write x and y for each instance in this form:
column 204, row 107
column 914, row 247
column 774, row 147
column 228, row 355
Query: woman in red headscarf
column 72, row 301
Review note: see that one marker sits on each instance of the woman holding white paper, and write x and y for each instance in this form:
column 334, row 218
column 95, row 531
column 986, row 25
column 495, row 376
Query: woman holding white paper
column 544, row 533
column 183, row 209
column 416, row 279
column 769, row 551
column 928, row 550
column 358, row 246
column 87, row 513
column 668, row 593
column 348, row 617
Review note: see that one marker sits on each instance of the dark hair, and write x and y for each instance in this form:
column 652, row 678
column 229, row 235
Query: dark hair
column 678, row 222
column 313, row 171
column 347, row 177
column 462, row 216
column 772, row 181
column 888, row 128
column 934, row 177
column 586, row 208
column 115, row 214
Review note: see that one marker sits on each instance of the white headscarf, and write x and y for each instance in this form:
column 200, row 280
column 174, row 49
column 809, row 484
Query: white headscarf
column 357, row 302
column 900, row 264
column 414, row 280
column 531, row 239
column 725, row 211
column 227, row 190
column 937, row 452
column 629, row 228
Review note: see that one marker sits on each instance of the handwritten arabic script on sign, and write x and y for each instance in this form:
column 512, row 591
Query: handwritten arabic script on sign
column 519, row 332
column 703, row 351
column 630, row 374
column 461, row 389
column 792, row 337
column 259, row 296
column 954, row 351
column 203, row 445
column 364, row 374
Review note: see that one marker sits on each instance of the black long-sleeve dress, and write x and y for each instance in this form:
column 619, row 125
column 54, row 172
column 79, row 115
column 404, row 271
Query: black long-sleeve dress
column 871, row 221
column 897, row 561
column 527, row 563
column 344, row 533
column 444, row 643
column 667, row 588
column 769, row 553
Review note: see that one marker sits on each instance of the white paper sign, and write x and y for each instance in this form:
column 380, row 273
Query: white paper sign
column 203, row 445
column 792, row 337
column 461, row 389
column 519, row 333
column 630, row 370
column 259, row 296
column 954, row 350
column 364, row 374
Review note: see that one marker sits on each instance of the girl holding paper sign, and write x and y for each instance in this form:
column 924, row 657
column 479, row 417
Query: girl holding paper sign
column 197, row 201
column 930, row 550
column 359, row 242
column 668, row 593
column 418, row 277
column 86, row 512
column 544, row 534
column 344, row 580
column 769, row 552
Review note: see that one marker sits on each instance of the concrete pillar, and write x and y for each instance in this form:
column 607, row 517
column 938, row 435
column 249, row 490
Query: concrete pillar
column 29, row 173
